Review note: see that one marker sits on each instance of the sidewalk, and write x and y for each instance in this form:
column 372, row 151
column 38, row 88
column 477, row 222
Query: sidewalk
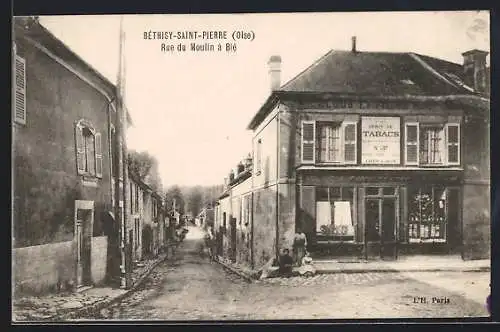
column 402, row 265
column 54, row 307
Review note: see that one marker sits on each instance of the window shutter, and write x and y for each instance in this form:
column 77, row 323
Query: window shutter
column 411, row 143
column 308, row 142
column 20, row 86
column 98, row 155
column 350, row 139
column 80, row 149
column 453, row 143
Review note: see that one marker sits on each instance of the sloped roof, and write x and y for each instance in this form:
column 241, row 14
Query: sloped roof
column 377, row 74
column 32, row 28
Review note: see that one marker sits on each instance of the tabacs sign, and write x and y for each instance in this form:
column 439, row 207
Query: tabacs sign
column 380, row 140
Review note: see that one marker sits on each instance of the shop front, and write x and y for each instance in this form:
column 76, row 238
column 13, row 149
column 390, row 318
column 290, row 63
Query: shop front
column 381, row 214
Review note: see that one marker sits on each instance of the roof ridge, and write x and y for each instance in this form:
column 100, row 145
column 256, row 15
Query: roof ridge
column 311, row 66
column 430, row 69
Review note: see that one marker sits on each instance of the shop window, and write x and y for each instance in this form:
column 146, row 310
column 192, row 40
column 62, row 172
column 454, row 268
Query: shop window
column 334, row 213
column 427, row 217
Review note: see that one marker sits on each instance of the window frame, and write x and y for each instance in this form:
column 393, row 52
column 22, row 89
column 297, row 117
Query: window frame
column 444, row 145
column 443, row 226
column 98, row 153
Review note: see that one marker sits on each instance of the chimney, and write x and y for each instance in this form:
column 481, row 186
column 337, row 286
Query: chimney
column 274, row 65
column 354, row 44
column 475, row 69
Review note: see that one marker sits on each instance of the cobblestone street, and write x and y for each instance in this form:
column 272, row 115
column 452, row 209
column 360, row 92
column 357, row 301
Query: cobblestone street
column 192, row 288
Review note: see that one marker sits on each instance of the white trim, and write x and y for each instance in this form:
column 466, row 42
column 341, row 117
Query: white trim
column 71, row 69
column 379, row 168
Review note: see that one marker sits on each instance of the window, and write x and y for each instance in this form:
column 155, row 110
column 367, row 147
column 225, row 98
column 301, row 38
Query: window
column 430, row 145
column 427, row 217
column 136, row 202
column 137, row 232
column 88, row 150
column 20, row 91
column 131, row 187
column 246, row 210
column 329, row 142
column 334, row 213
column 259, row 156
column 330, row 149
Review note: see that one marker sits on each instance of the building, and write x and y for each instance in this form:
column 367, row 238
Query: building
column 206, row 217
column 373, row 155
column 64, row 232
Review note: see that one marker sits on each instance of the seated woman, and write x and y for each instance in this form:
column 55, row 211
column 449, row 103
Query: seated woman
column 285, row 264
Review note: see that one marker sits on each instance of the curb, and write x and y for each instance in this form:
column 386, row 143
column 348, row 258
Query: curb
column 107, row 302
column 243, row 275
column 480, row 269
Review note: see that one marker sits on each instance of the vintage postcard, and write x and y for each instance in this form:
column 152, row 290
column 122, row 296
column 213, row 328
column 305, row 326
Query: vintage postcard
column 249, row 167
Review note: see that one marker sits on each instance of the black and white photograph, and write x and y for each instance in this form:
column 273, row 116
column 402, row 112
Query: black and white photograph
column 251, row 167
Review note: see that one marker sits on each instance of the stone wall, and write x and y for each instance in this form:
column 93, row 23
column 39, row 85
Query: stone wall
column 99, row 252
column 48, row 267
column 264, row 228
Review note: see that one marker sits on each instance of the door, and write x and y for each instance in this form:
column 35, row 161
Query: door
column 380, row 227
column 233, row 239
column 388, row 217
column 83, row 247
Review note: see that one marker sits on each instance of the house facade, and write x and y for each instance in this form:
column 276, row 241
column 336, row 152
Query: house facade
column 64, row 232
column 146, row 220
column 374, row 155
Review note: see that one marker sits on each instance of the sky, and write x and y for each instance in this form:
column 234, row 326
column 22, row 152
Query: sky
column 191, row 109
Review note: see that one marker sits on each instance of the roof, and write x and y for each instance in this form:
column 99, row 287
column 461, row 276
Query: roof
column 32, row 28
column 373, row 74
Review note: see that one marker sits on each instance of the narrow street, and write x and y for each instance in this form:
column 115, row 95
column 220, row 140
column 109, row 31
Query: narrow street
column 192, row 288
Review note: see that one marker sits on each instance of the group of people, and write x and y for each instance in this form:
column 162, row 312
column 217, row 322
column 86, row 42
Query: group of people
column 300, row 257
column 284, row 261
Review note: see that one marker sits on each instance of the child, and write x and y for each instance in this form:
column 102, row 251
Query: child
column 285, row 264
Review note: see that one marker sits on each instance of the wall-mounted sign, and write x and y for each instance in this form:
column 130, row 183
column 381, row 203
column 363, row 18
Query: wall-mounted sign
column 380, row 140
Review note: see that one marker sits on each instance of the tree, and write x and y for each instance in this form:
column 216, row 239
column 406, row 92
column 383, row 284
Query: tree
column 174, row 193
column 195, row 200
column 145, row 166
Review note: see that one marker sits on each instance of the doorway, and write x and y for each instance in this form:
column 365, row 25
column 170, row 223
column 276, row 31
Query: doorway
column 233, row 239
column 381, row 219
column 84, row 213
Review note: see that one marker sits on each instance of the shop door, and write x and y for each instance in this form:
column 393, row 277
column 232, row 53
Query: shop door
column 380, row 227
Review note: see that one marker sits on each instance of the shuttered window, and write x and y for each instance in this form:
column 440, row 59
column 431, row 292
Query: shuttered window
column 308, row 141
column 80, row 150
column 98, row 155
column 350, row 138
column 88, row 146
column 453, row 143
column 20, row 91
column 411, row 143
